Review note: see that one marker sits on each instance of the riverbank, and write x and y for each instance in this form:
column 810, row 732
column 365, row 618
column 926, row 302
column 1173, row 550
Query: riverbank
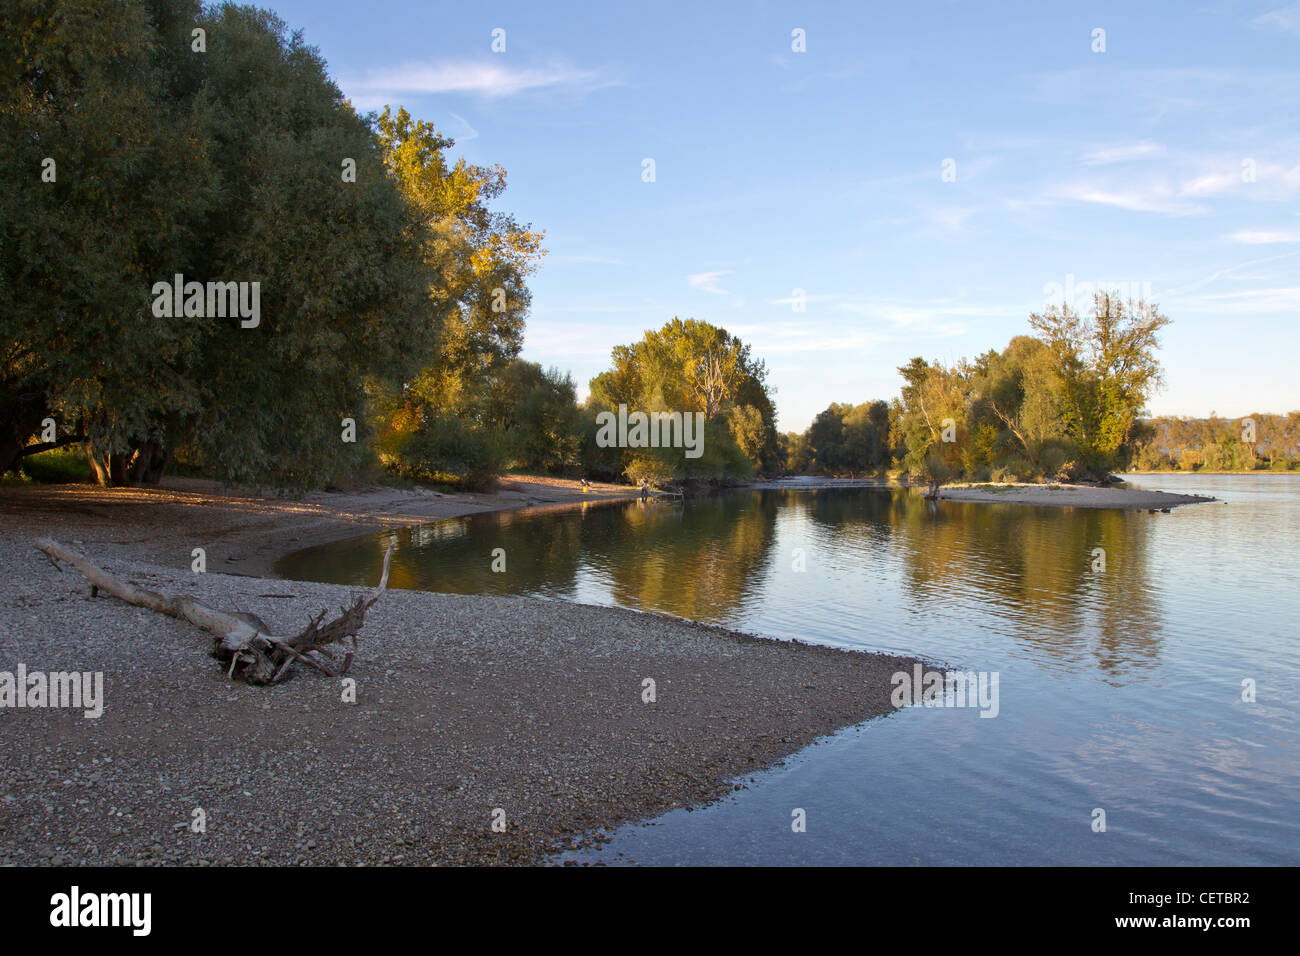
column 468, row 709
column 244, row 532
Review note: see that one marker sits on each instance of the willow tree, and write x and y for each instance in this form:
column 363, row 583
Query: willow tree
column 312, row 215
column 150, row 139
column 105, row 179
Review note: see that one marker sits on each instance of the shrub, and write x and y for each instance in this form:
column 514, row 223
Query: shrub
column 1016, row 468
column 58, row 467
column 652, row 470
column 447, row 450
column 936, row 469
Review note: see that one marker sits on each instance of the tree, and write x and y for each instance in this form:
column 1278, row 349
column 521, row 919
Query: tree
column 1106, row 370
column 103, row 178
column 825, row 439
column 221, row 167
column 535, row 411
column 692, row 366
column 482, row 258
column 934, row 402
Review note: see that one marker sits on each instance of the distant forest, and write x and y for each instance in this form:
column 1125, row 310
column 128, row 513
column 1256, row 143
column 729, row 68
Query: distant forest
column 1217, row 444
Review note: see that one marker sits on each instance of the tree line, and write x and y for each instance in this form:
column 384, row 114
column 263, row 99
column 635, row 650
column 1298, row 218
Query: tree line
column 158, row 138
column 1257, row 442
column 153, row 139
column 1063, row 403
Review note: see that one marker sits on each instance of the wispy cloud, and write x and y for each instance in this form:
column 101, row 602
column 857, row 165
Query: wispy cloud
column 1254, row 302
column 1156, row 94
column 485, row 78
column 1156, row 197
column 708, row 281
column 784, row 338
column 1271, row 180
column 1262, row 237
column 805, row 299
column 1227, row 272
column 937, row 317
column 1284, row 19
column 466, row 133
column 948, row 220
column 1105, row 155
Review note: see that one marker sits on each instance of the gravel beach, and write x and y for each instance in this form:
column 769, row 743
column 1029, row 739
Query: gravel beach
column 468, row 708
column 1069, row 496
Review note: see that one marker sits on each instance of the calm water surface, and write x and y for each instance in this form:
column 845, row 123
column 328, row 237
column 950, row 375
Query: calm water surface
column 1119, row 690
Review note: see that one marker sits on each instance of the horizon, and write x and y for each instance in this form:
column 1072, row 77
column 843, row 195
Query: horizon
column 1164, row 165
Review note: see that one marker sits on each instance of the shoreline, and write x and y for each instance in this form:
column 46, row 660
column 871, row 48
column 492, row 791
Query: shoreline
column 1055, row 494
column 465, row 704
column 1070, row 496
column 246, row 533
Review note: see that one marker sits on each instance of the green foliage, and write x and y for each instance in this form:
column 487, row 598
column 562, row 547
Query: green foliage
column 1014, row 469
column 481, row 258
column 87, row 89
column 536, row 412
column 447, row 450
column 1218, row 444
column 219, row 167
column 688, row 366
column 651, row 469
column 722, row 457
column 844, row 440
column 1106, row 369
column 60, row 466
column 1063, row 405
column 794, row 453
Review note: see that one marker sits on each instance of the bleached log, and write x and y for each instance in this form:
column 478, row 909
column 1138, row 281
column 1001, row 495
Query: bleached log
column 254, row 655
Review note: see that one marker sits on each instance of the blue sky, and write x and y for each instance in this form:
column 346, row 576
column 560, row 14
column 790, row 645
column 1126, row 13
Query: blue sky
column 1167, row 165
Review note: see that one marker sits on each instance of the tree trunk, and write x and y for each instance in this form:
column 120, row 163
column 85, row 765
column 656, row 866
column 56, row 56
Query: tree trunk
column 110, row 467
column 20, row 418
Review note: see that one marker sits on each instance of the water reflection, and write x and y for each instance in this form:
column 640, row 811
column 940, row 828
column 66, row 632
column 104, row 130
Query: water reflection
column 1119, row 688
column 875, row 563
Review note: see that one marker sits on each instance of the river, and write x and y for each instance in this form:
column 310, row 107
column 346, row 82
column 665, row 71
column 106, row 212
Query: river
column 1122, row 688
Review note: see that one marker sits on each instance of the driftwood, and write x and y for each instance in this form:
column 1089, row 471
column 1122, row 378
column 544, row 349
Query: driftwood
column 253, row 654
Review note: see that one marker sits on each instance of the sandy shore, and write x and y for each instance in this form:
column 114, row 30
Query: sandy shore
column 465, row 704
column 1069, row 496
